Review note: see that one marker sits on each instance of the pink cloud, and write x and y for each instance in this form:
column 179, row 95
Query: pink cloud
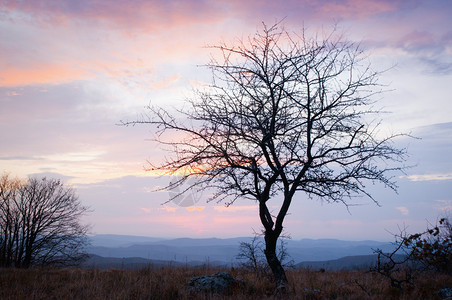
column 444, row 205
column 310, row 10
column 48, row 43
column 138, row 14
column 165, row 82
column 165, row 15
column 169, row 208
column 233, row 209
column 61, row 41
column 355, row 9
column 182, row 222
column 417, row 40
column 403, row 210
column 52, row 73
column 146, row 210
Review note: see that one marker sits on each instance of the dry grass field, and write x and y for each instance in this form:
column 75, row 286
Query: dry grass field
column 171, row 283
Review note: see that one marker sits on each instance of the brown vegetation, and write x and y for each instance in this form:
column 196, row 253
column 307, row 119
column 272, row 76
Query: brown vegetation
column 171, row 283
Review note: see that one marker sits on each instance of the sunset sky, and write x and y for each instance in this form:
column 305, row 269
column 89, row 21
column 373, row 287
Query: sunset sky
column 70, row 71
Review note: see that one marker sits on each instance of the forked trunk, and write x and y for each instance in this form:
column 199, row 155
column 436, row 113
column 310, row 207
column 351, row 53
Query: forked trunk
column 279, row 274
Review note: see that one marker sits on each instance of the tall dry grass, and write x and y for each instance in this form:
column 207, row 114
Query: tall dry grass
column 171, row 283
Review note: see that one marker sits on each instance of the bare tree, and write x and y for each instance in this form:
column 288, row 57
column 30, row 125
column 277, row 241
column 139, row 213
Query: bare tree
column 251, row 255
column 284, row 114
column 9, row 218
column 40, row 222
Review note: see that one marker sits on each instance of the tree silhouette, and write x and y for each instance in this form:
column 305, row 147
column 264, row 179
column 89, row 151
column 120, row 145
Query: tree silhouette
column 284, row 114
column 40, row 223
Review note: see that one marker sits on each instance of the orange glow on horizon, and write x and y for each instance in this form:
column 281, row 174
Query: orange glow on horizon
column 53, row 74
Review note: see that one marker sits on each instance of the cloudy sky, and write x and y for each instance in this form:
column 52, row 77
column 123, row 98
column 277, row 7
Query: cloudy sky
column 70, row 71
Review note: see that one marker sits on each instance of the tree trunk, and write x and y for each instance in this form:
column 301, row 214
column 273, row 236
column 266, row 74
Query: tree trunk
column 271, row 238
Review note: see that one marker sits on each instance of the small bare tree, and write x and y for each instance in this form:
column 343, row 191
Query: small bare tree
column 251, row 255
column 40, row 223
column 284, row 114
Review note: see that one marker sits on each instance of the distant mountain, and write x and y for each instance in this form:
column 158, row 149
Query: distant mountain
column 222, row 251
column 189, row 242
column 329, row 249
column 358, row 262
column 310, row 243
column 135, row 263
column 116, row 240
column 99, row 262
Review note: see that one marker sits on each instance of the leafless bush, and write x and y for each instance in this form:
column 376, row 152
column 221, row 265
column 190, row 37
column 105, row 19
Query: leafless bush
column 430, row 250
column 39, row 221
column 252, row 257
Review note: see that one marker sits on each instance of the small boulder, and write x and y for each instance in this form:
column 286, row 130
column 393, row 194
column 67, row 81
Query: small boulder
column 217, row 283
column 445, row 293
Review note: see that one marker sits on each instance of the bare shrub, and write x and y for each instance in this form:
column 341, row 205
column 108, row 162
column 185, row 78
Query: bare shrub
column 430, row 250
column 40, row 223
column 252, row 257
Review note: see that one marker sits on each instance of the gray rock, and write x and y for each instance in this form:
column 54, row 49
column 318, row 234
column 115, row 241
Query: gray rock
column 217, row 283
column 445, row 293
column 310, row 290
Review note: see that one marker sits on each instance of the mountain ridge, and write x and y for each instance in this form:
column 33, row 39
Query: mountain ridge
column 223, row 251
